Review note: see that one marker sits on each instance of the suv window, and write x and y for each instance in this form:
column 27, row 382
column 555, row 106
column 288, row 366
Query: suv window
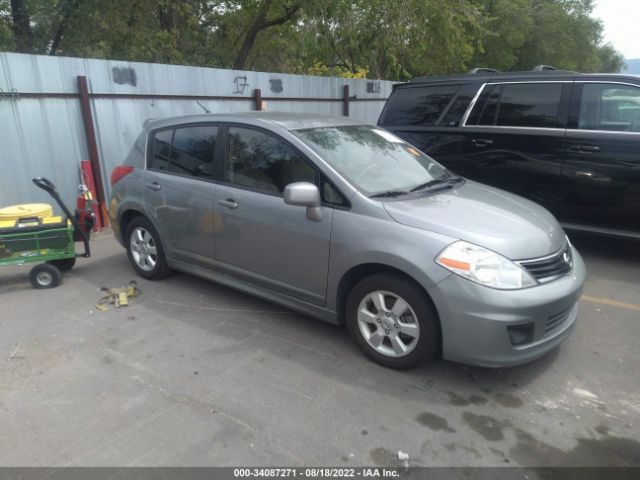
column 609, row 107
column 192, row 151
column 521, row 105
column 161, row 150
column 262, row 162
column 418, row 106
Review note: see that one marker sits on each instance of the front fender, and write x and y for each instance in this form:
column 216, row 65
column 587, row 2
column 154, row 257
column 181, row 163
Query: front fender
column 364, row 240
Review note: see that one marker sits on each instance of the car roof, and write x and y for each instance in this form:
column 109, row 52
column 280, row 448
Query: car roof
column 546, row 75
column 287, row 120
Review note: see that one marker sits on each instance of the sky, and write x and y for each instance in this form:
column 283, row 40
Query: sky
column 621, row 19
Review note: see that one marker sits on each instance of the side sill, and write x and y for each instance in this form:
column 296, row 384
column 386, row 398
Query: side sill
column 269, row 295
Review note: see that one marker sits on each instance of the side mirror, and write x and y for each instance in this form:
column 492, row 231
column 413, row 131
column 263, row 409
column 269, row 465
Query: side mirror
column 305, row 194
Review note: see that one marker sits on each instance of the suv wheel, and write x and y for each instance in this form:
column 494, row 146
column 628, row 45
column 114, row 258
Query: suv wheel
column 145, row 250
column 392, row 321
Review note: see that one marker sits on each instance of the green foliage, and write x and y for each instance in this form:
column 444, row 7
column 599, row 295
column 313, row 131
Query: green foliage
column 391, row 39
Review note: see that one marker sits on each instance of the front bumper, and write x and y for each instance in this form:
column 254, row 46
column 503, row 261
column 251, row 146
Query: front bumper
column 474, row 318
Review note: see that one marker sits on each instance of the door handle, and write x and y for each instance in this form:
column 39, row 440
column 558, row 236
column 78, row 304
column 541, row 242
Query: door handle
column 482, row 142
column 584, row 173
column 229, row 203
column 587, row 148
column 154, row 186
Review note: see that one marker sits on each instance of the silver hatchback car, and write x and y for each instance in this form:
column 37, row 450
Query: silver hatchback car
column 346, row 222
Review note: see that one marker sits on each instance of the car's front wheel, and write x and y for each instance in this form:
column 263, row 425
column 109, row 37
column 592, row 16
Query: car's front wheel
column 145, row 249
column 392, row 321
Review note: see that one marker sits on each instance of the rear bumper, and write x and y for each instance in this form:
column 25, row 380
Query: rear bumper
column 475, row 318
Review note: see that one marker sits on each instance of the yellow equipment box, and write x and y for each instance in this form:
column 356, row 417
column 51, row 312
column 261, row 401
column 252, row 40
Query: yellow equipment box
column 14, row 212
column 28, row 215
column 31, row 222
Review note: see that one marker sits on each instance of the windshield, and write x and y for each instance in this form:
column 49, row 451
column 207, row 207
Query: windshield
column 373, row 160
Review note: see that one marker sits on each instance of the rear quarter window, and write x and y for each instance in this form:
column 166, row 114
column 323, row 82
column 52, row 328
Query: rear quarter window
column 418, row 105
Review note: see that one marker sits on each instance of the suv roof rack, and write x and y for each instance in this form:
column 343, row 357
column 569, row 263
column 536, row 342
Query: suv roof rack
column 482, row 70
column 543, row 68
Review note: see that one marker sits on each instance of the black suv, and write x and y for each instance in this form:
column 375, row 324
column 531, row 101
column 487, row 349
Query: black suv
column 569, row 141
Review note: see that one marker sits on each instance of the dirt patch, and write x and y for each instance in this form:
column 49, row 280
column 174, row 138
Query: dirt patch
column 490, row 428
column 383, row 457
column 460, row 401
column 434, row 422
column 508, row 400
column 605, row 452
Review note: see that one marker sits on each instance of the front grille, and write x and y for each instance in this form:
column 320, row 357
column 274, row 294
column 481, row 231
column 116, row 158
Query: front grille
column 549, row 268
column 554, row 321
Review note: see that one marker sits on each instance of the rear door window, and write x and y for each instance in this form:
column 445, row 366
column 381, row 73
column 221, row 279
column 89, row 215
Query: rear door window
column 161, row 147
column 520, row 105
column 610, row 107
column 192, row 151
column 418, row 106
column 185, row 151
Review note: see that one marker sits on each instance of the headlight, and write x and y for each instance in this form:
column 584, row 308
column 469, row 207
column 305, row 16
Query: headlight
column 484, row 266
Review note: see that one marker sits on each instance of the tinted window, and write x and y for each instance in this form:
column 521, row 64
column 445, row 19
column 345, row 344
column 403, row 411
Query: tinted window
column 161, row 149
column 487, row 116
column 418, row 106
column 193, row 149
column 263, row 162
column 609, row 107
column 518, row 105
column 454, row 115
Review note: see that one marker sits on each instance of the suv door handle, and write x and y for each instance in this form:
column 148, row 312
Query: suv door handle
column 229, row 203
column 587, row 148
column 154, row 186
column 482, row 142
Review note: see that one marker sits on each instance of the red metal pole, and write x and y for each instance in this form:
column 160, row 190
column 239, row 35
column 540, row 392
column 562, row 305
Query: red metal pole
column 257, row 98
column 92, row 144
column 345, row 100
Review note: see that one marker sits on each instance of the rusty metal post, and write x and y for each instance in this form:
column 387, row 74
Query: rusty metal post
column 257, row 98
column 92, row 145
column 345, row 100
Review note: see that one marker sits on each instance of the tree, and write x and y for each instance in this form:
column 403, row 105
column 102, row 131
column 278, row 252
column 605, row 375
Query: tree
column 561, row 33
column 21, row 26
column 391, row 39
column 260, row 23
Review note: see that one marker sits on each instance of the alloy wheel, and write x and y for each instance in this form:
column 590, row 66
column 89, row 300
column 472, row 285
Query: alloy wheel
column 388, row 323
column 143, row 249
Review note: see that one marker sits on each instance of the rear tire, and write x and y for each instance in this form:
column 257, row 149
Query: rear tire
column 144, row 250
column 45, row 275
column 393, row 321
column 63, row 265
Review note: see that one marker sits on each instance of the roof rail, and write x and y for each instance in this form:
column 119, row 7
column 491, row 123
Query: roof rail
column 542, row 68
column 482, row 70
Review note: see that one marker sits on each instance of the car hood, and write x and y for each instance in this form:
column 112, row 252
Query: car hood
column 500, row 221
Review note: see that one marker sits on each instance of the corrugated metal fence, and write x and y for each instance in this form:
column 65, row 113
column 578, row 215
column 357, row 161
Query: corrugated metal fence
column 45, row 120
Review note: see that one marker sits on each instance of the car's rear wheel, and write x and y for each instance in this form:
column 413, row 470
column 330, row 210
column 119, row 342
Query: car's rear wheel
column 145, row 249
column 392, row 321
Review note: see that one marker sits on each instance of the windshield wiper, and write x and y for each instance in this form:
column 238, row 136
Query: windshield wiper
column 439, row 182
column 389, row 194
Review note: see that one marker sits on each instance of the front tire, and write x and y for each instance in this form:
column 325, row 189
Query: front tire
column 144, row 250
column 392, row 321
column 45, row 275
